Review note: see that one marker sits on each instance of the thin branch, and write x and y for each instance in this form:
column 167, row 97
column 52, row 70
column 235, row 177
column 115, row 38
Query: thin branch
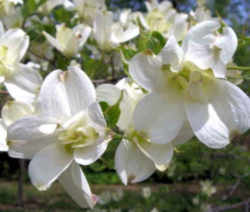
column 108, row 80
column 241, row 68
column 233, row 206
column 232, row 190
column 20, row 182
column 4, row 92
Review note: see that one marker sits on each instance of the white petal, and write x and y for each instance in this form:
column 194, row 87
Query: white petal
column 146, row 71
column 64, row 94
column 180, row 26
column 172, row 53
column 102, row 34
column 199, row 32
column 228, row 43
column 75, row 183
column 225, row 115
column 160, row 154
column 1, row 29
column 54, row 42
column 161, row 117
column 131, row 164
column 200, row 55
column 27, row 137
column 17, row 42
column 185, row 134
column 52, row 100
column 232, row 106
column 119, row 35
column 108, row 93
column 80, row 89
column 95, row 113
column 3, row 137
column 47, row 165
column 82, row 31
column 88, row 155
column 204, row 57
column 12, row 111
column 127, row 107
column 24, row 85
column 206, row 125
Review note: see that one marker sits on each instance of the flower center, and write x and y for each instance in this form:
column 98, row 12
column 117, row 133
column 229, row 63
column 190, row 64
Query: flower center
column 157, row 22
column 78, row 134
column 138, row 136
column 189, row 80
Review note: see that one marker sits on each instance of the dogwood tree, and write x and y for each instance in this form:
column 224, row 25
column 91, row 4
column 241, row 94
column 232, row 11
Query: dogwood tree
column 80, row 75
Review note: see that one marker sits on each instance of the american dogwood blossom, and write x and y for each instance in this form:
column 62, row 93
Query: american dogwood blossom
column 136, row 157
column 188, row 84
column 162, row 17
column 110, row 34
column 69, row 41
column 89, row 9
column 21, row 80
column 68, row 130
column 10, row 13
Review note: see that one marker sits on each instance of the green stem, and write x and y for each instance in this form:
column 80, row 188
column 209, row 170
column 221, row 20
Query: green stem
column 242, row 68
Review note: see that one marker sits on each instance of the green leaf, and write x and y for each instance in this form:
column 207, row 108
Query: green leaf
column 128, row 53
column 111, row 113
column 153, row 41
column 156, row 42
column 30, row 6
column 95, row 68
column 61, row 15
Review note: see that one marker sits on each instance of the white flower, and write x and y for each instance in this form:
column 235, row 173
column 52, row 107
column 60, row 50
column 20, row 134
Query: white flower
column 136, row 157
column 110, row 34
column 7, row 6
column 146, row 192
column 69, row 41
column 210, row 45
column 126, row 29
column 163, row 6
column 22, row 81
column 182, row 94
column 88, row 9
column 165, row 20
column 207, row 188
column 69, row 130
column 201, row 14
column 10, row 14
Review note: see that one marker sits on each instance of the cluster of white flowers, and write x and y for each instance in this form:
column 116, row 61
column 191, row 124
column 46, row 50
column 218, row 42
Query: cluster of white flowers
column 165, row 100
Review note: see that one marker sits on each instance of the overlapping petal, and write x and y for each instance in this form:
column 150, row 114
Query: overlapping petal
column 131, row 164
column 146, row 71
column 89, row 154
column 29, row 135
column 76, row 185
column 47, row 165
column 24, row 85
column 160, row 116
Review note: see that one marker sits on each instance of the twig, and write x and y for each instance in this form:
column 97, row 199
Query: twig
column 108, row 80
column 232, row 190
column 20, row 182
column 4, row 92
column 233, row 206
